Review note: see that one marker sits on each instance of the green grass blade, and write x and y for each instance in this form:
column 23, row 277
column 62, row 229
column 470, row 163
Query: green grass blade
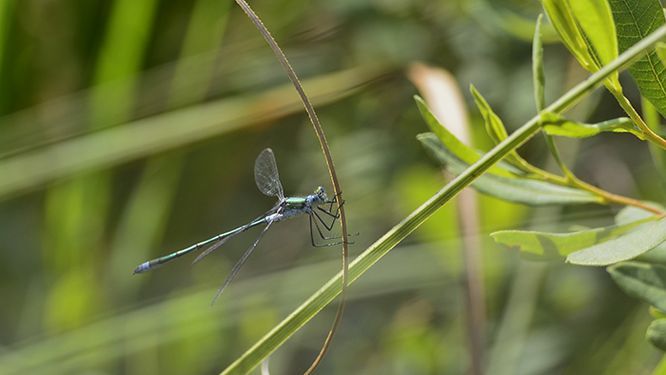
column 170, row 130
column 144, row 220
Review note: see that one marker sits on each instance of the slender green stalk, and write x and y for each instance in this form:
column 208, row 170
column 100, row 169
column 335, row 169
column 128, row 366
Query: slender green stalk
column 323, row 143
column 638, row 120
column 272, row 340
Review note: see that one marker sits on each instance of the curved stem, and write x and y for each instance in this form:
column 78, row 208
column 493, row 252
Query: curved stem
column 649, row 134
column 337, row 190
column 615, row 198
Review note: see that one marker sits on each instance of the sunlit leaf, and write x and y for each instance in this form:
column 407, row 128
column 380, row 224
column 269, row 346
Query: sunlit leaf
column 596, row 22
column 639, row 240
column 561, row 17
column 514, row 188
column 635, row 20
column 544, row 245
column 587, row 30
column 643, row 281
column 560, row 126
column 656, row 333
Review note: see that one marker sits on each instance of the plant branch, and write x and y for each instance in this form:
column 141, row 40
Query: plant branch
column 299, row 317
column 337, row 190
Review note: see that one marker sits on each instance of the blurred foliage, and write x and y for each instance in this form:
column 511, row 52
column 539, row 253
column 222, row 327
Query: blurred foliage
column 129, row 129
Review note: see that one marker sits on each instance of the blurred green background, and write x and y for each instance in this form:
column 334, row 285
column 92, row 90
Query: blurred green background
column 129, row 129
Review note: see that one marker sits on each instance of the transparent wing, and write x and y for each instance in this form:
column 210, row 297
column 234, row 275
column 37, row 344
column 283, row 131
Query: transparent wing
column 266, row 174
column 241, row 262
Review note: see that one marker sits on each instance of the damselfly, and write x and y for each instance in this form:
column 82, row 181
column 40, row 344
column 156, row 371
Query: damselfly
column 268, row 181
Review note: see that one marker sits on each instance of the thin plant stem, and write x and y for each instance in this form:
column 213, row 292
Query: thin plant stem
column 337, row 190
column 638, row 120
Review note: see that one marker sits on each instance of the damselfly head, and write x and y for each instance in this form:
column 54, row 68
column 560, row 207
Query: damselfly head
column 321, row 194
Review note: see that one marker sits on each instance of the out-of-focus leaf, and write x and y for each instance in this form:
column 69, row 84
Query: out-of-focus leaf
column 170, row 130
column 635, row 20
column 656, row 333
column 639, row 240
column 587, row 30
column 465, row 153
column 641, row 280
column 560, row 126
column 514, row 188
column 656, row 313
column 543, row 245
column 516, row 24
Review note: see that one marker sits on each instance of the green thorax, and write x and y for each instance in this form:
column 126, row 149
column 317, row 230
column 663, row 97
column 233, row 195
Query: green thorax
column 295, row 202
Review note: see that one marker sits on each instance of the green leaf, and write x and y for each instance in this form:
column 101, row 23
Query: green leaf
column 630, row 214
column 560, row 126
column 634, row 20
column 494, row 128
column 643, row 281
column 660, row 49
column 596, row 22
column 465, row 153
column 513, row 188
column 587, row 30
column 494, row 125
column 656, row 333
column 538, row 77
column 561, row 17
column 639, row 240
column 544, row 245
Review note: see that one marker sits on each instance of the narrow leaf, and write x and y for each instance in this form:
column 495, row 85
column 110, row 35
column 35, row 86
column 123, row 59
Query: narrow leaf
column 544, row 245
column 630, row 214
column 561, row 17
column 512, row 188
column 494, row 125
column 634, row 20
column 465, row 153
column 587, row 30
column 538, row 77
column 656, row 333
column 639, row 240
column 560, row 126
column 596, row 22
column 643, row 281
